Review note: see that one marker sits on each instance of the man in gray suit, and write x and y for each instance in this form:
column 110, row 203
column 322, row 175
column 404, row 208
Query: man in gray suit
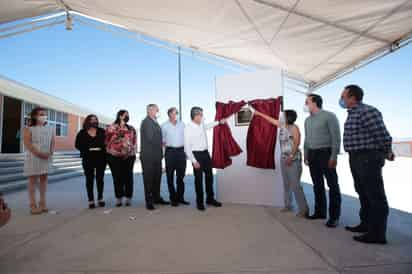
column 151, row 155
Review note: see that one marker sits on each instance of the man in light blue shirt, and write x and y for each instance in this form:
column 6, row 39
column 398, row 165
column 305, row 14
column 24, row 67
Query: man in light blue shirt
column 175, row 157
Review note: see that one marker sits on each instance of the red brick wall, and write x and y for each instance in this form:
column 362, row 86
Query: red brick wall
column 66, row 143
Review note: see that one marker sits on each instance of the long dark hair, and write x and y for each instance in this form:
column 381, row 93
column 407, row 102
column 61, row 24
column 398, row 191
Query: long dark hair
column 86, row 123
column 33, row 114
column 290, row 116
column 120, row 113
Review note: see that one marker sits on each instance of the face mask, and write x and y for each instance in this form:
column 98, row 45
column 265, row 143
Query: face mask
column 306, row 109
column 94, row 124
column 126, row 119
column 342, row 103
column 157, row 115
column 42, row 118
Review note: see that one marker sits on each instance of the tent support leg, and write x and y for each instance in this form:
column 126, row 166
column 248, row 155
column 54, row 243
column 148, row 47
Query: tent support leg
column 180, row 83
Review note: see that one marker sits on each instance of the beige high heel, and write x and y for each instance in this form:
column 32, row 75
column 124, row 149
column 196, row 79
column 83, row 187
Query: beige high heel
column 34, row 210
column 43, row 207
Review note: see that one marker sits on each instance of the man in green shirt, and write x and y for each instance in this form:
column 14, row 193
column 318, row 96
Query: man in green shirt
column 321, row 147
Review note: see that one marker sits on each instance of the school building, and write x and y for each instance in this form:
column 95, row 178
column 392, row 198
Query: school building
column 16, row 102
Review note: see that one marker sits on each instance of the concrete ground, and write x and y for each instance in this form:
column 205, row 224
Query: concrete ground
column 232, row 239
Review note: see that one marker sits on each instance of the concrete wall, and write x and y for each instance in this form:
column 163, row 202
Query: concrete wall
column 240, row 183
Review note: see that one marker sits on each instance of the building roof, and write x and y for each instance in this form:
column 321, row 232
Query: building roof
column 20, row 91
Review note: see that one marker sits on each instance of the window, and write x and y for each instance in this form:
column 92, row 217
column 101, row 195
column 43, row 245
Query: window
column 52, row 115
column 64, row 130
column 65, row 118
column 57, row 119
column 27, row 108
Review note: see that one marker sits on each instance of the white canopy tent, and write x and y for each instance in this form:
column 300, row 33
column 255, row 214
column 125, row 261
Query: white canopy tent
column 313, row 40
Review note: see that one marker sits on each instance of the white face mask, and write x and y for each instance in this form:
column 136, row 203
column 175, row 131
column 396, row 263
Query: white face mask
column 42, row 118
column 157, row 115
column 306, row 109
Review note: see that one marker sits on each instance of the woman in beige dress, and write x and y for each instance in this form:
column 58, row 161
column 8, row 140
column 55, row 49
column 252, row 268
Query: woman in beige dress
column 39, row 144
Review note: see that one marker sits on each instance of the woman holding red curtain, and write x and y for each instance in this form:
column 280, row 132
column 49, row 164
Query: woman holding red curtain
column 291, row 160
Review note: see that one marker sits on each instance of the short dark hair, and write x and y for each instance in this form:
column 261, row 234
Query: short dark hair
column 33, row 114
column 149, row 106
column 355, row 91
column 170, row 110
column 195, row 111
column 290, row 116
column 317, row 99
column 86, row 122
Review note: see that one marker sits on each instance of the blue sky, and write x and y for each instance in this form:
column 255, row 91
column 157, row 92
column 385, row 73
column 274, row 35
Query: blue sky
column 104, row 73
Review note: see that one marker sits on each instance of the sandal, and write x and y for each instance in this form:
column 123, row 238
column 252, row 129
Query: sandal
column 34, row 210
column 43, row 207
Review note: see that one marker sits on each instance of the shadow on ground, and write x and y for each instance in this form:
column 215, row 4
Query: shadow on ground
column 231, row 239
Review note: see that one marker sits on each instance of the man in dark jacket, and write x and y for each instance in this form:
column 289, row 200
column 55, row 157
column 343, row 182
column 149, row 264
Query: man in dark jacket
column 369, row 144
column 151, row 155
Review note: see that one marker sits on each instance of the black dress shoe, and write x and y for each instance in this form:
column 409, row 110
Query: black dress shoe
column 316, row 217
column 162, row 202
column 201, row 207
column 92, row 206
column 357, row 229
column 102, row 203
column 214, row 203
column 174, row 203
column 119, row 204
column 183, row 202
column 367, row 239
column 332, row 223
column 128, row 203
column 150, row 207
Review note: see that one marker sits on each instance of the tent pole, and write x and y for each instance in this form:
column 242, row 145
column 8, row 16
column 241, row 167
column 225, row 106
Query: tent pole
column 180, row 83
column 33, row 28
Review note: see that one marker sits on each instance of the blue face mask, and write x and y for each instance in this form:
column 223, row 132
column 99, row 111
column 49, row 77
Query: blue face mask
column 342, row 103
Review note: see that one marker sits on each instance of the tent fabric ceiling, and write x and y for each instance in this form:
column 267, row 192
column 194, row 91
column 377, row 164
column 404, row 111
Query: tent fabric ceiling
column 312, row 39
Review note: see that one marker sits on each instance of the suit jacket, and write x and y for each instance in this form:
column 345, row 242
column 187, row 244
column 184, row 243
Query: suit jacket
column 150, row 141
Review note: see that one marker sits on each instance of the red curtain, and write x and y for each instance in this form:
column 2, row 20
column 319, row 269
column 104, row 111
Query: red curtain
column 224, row 146
column 261, row 136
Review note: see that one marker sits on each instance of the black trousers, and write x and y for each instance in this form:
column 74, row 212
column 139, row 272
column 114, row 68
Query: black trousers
column 366, row 167
column 122, row 172
column 152, row 176
column 175, row 162
column 205, row 162
column 94, row 167
column 319, row 169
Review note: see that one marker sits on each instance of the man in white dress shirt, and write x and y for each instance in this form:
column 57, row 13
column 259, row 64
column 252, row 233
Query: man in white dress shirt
column 175, row 157
column 196, row 148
